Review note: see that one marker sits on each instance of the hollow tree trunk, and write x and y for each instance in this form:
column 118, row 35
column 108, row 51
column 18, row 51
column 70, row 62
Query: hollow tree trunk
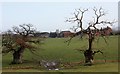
column 17, row 56
column 89, row 56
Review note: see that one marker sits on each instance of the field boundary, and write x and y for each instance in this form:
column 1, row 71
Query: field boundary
column 68, row 64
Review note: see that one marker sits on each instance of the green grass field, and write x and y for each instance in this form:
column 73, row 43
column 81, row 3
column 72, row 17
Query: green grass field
column 55, row 49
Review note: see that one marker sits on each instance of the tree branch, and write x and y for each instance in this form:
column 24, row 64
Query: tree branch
column 77, row 17
column 99, row 51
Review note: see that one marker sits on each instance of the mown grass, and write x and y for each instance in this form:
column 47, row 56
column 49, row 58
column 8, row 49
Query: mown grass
column 107, row 67
column 56, row 49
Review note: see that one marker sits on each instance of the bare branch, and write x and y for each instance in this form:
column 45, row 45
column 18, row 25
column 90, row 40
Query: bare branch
column 24, row 29
column 98, row 14
column 95, row 10
column 74, row 28
column 16, row 30
column 68, row 41
column 81, row 17
column 99, row 51
column 82, row 12
column 105, row 39
column 77, row 17
column 72, row 36
column 108, row 22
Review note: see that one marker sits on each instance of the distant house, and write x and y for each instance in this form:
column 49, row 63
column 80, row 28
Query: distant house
column 65, row 33
column 53, row 34
column 42, row 34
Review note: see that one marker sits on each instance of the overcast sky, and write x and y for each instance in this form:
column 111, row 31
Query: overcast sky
column 49, row 16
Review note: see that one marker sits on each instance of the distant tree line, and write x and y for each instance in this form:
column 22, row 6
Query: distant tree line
column 61, row 34
column 53, row 34
column 115, row 33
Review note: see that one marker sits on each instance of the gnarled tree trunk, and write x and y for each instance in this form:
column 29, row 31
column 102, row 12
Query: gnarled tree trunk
column 89, row 55
column 17, row 56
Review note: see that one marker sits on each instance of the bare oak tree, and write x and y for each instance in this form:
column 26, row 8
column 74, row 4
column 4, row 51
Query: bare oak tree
column 92, row 31
column 17, row 41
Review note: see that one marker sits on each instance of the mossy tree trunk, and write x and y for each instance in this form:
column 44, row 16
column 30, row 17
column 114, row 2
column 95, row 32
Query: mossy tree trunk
column 17, row 56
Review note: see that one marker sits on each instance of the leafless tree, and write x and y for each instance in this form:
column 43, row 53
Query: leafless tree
column 17, row 41
column 92, row 31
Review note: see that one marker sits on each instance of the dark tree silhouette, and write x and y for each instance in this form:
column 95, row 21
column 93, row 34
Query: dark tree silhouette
column 18, row 40
column 92, row 31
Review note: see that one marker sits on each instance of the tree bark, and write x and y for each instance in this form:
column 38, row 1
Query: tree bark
column 17, row 56
column 89, row 55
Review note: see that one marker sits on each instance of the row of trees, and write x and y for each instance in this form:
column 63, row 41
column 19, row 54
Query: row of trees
column 22, row 40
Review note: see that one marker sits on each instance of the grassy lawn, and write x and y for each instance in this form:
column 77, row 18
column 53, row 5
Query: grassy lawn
column 55, row 49
column 107, row 67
